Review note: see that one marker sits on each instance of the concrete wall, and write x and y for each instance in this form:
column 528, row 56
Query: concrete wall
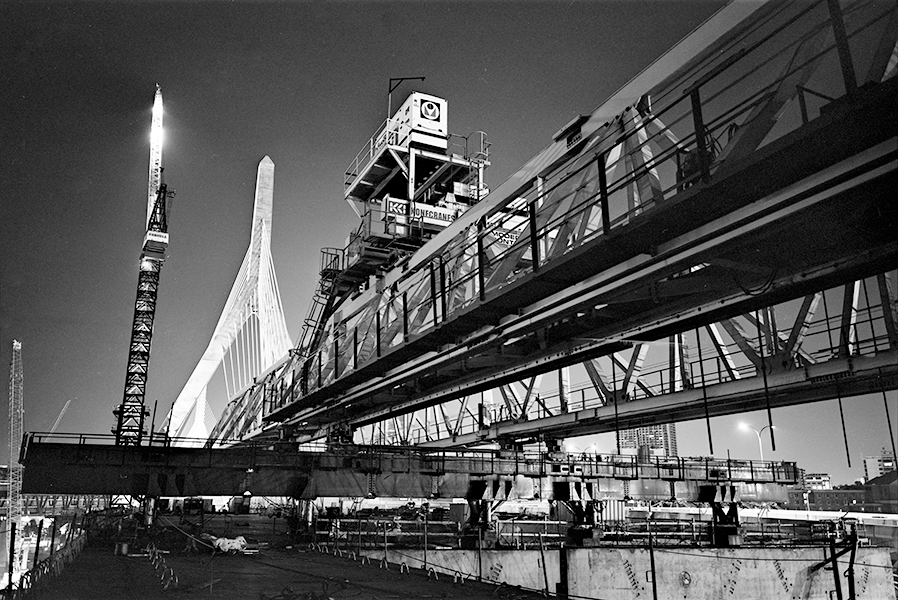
column 709, row 573
column 524, row 568
column 680, row 572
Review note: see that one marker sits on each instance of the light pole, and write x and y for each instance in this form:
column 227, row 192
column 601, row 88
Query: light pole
column 394, row 83
column 758, row 432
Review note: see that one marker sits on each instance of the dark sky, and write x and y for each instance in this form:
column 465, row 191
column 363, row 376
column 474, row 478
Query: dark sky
column 303, row 82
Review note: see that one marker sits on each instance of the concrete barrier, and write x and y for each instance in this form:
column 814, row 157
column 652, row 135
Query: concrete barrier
column 625, row 573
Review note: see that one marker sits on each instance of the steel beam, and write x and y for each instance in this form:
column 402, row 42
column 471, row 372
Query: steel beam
column 849, row 377
column 279, row 470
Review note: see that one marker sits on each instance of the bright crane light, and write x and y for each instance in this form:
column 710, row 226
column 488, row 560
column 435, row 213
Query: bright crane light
column 156, row 136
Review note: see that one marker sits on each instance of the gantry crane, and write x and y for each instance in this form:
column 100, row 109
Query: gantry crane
column 131, row 413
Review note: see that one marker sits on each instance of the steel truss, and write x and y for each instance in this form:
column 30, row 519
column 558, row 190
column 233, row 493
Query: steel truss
column 710, row 187
column 131, row 414
column 837, row 343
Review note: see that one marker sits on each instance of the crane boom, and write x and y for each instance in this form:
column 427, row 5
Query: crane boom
column 131, row 413
column 156, row 136
column 59, row 417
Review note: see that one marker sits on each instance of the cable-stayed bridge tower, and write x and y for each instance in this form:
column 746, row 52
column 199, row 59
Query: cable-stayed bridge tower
column 251, row 334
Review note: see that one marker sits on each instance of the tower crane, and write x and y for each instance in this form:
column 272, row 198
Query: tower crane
column 131, row 413
column 16, row 410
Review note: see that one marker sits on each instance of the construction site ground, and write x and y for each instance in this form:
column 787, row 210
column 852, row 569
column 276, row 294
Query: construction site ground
column 98, row 574
column 278, row 570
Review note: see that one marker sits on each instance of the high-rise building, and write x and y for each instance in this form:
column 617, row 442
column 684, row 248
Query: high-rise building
column 657, row 439
column 817, row 481
column 874, row 466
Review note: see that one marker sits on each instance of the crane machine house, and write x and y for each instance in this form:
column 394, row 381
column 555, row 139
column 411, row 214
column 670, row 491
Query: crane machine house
column 410, row 181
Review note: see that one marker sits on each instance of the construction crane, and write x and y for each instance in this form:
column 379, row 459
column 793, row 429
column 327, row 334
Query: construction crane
column 59, row 417
column 16, row 410
column 131, row 413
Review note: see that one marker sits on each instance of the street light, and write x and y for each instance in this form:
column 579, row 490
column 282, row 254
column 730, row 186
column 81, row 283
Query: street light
column 394, row 83
column 758, row 432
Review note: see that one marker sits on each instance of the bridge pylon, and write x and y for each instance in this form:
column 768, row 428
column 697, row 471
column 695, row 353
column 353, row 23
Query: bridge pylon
column 251, row 334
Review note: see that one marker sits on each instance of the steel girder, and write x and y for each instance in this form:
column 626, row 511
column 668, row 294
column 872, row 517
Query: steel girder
column 97, row 468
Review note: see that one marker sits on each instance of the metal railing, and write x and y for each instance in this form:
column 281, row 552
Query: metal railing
column 61, row 552
column 389, row 133
column 359, row 535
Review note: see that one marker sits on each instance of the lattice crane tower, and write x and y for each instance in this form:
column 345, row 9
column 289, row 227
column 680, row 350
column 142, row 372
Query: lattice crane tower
column 131, row 413
column 16, row 411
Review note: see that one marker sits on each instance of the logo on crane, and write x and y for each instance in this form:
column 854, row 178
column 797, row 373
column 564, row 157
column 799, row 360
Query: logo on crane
column 430, row 110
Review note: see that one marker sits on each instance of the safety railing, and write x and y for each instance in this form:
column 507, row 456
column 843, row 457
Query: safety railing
column 59, row 552
column 158, row 440
column 575, row 464
column 417, row 529
column 390, row 133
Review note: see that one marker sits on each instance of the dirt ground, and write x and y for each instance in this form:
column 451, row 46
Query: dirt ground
column 272, row 574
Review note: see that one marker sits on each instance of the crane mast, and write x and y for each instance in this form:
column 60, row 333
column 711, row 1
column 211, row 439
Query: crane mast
column 16, row 409
column 131, row 413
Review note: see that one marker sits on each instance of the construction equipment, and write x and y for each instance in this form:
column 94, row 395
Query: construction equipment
column 409, row 181
column 16, row 409
column 131, row 413
column 59, row 417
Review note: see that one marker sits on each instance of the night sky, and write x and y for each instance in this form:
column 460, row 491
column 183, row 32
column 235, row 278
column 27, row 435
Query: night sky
column 303, row 82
